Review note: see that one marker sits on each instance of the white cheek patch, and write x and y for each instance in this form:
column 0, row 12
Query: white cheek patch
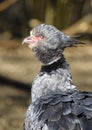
column 32, row 45
column 31, row 33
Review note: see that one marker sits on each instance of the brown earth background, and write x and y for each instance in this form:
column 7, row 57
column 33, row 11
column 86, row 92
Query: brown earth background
column 18, row 66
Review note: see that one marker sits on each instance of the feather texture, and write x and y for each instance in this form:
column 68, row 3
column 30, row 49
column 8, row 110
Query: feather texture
column 66, row 114
column 56, row 103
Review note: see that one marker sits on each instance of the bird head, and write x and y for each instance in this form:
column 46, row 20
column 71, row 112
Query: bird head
column 48, row 43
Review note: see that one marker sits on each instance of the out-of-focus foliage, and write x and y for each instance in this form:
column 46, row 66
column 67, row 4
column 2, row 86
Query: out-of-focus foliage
column 18, row 16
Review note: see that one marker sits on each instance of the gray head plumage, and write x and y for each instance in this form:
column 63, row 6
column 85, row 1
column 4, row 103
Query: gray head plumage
column 48, row 42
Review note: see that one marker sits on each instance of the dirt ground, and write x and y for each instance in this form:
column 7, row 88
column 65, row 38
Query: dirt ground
column 18, row 67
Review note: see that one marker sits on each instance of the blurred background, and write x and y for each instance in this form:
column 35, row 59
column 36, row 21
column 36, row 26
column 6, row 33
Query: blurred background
column 18, row 67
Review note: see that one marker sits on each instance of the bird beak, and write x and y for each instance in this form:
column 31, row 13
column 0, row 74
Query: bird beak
column 28, row 40
column 31, row 41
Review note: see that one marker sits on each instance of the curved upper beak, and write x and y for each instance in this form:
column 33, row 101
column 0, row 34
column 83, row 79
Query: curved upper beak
column 31, row 41
column 27, row 40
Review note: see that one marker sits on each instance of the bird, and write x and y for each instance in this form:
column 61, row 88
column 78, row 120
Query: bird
column 56, row 102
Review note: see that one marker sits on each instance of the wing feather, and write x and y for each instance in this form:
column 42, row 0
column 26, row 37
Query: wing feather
column 64, row 111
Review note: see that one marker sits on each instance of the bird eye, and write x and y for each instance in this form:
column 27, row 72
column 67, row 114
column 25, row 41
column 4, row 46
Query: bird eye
column 42, row 37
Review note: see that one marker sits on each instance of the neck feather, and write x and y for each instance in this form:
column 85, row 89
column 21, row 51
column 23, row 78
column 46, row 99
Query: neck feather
column 56, row 64
column 47, row 56
column 54, row 77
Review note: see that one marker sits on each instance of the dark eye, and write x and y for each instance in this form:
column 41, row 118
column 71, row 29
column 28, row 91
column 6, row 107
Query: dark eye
column 41, row 36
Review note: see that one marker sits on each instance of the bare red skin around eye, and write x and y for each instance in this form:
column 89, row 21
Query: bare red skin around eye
column 38, row 38
column 32, row 40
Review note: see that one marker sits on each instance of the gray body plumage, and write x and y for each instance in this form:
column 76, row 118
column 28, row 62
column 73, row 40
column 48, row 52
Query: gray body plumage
column 56, row 103
column 61, row 111
column 52, row 78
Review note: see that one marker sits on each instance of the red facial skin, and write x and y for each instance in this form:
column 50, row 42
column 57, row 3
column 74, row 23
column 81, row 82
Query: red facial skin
column 32, row 40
